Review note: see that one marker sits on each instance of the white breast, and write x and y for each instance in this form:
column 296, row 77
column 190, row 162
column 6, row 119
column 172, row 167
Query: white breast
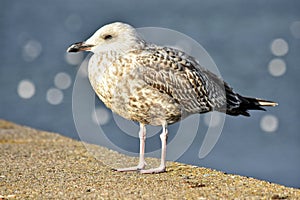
column 113, row 81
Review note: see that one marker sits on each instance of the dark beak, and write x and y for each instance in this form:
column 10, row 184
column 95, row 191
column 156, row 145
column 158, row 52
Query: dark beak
column 79, row 46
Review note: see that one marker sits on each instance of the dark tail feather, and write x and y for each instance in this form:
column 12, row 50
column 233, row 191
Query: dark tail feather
column 248, row 103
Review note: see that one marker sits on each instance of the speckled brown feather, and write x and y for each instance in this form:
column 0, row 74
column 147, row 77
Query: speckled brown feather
column 180, row 76
column 153, row 84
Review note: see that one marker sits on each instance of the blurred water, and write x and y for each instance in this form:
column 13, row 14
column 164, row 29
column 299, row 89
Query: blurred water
column 245, row 38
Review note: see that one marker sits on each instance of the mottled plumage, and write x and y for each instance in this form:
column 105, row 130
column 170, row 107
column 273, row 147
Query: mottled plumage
column 155, row 85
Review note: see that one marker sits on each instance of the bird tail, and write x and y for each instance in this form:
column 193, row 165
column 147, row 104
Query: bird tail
column 248, row 103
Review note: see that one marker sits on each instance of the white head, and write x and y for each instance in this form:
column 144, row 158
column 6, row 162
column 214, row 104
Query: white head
column 116, row 36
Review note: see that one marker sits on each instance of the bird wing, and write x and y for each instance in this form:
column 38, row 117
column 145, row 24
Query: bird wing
column 179, row 75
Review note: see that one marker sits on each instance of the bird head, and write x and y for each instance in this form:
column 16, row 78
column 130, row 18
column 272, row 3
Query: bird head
column 118, row 37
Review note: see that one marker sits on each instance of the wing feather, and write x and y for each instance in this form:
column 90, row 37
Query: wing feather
column 181, row 77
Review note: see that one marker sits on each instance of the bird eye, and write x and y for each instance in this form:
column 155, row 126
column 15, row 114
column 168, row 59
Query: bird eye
column 107, row 37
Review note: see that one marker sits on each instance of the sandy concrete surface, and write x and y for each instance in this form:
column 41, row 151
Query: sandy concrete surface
column 40, row 165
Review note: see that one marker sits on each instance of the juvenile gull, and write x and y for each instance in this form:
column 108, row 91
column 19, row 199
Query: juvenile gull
column 155, row 85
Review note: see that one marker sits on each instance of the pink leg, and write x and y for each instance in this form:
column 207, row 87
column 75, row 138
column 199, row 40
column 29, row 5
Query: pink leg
column 142, row 163
column 162, row 166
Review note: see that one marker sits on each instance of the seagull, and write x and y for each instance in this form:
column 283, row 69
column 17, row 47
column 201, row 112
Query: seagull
column 155, row 85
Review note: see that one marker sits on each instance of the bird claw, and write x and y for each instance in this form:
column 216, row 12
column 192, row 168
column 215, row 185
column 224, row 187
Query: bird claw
column 157, row 170
column 139, row 167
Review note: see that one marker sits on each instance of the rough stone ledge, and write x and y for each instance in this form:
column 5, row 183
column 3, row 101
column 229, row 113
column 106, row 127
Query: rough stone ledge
column 40, row 165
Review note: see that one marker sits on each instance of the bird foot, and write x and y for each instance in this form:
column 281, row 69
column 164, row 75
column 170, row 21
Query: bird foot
column 135, row 168
column 159, row 169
